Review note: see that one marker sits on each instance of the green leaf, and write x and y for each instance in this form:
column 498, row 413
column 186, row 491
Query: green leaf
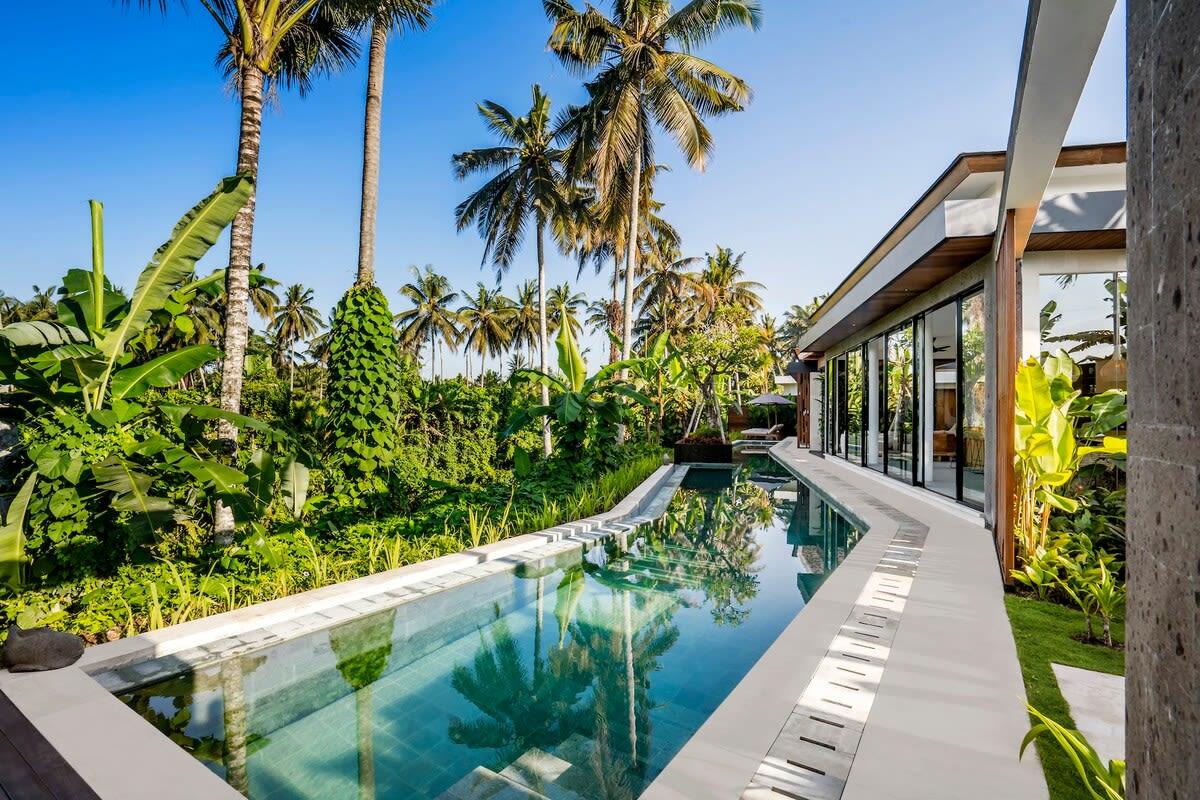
column 12, row 536
column 175, row 261
column 294, row 485
column 1033, row 392
column 42, row 334
column 261, row 477
column 570, row 362
column 131, row 492
column 161, row 372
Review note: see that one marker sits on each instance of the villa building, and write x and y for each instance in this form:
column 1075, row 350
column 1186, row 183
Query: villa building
column 902, row 360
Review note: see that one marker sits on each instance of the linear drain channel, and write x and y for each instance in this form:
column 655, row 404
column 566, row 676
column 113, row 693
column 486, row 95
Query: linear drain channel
column 811, row 757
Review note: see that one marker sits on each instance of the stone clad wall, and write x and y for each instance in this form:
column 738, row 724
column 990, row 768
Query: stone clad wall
column 1163, row 687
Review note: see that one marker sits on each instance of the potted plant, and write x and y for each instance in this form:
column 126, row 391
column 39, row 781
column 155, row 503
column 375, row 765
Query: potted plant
column 703, row 446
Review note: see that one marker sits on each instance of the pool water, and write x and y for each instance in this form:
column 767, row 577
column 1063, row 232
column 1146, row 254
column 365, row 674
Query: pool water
column 565, row 680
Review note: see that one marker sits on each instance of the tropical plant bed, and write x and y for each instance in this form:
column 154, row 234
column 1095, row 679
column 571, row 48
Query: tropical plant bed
column 146, row 596
column 1045, row 633
column 703, row 452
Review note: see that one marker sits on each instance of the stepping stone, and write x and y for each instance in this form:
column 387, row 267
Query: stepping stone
column 1097, row 703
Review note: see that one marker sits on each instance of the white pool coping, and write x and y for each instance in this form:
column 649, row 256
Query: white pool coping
column 946, row 712
column 123, row 757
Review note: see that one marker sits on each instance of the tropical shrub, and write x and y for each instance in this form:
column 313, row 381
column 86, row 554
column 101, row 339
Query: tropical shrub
column 586, row 411
column 1048, row 454
column 1103, row 782
column 111, row 463
column 365, row 377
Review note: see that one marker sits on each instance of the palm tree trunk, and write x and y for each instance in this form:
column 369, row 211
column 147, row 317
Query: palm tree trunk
column 372, row 127
column 630, row 677
column 614, row 318
column 541, row 280
column 631, row 254
column 432, row 354
column 234, row 702
column 237, row 281
column 366, row 744
column 291, row 369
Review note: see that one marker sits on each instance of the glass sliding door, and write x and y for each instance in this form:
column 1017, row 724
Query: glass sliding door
column 843, row 421
column 972, row 391
column 876, row 414
column 854, row 405
column 940, row 402
column 831, row 408
column 901, row 426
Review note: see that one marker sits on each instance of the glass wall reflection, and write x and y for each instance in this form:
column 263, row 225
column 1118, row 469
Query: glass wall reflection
column 901, row 423
column 974, row 329
column 854, row 406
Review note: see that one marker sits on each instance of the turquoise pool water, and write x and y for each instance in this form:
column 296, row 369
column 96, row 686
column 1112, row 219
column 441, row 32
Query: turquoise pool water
column 564, row 680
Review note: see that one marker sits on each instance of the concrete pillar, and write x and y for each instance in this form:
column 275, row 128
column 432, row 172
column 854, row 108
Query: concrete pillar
column 1163, row 526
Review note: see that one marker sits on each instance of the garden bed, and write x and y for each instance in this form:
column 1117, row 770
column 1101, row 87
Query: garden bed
column 1045, row 633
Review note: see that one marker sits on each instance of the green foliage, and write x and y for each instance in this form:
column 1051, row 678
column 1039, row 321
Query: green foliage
column 586, row 411
column 1102, row 782
column 1043, row 633
column 1048, row 454
column 364, row 391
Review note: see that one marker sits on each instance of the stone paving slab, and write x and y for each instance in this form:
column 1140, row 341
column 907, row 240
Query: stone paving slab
column 1097, row 703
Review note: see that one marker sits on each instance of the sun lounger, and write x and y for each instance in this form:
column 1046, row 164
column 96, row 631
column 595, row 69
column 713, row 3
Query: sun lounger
column 771, row 433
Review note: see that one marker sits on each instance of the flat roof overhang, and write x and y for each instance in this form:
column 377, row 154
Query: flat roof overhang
column 944, row 260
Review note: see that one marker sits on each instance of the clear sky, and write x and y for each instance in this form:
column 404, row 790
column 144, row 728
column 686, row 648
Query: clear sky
column 858, row 107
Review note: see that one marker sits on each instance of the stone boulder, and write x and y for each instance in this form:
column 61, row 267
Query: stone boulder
column 39, row 649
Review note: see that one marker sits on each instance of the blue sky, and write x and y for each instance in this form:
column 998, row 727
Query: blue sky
column 858, row 107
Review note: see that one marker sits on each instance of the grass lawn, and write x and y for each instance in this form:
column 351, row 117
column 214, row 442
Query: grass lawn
column 1043, row 633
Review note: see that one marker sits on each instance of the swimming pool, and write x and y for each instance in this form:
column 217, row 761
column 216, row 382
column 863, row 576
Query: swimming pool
column 578, row 677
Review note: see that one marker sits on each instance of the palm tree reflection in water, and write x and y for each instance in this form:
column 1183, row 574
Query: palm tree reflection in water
column 590, row 704
column 362, row 648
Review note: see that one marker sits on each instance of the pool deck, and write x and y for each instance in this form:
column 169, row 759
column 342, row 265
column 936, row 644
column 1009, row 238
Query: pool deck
column 929, row 707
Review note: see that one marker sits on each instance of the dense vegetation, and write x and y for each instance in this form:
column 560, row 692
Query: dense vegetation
column 169, row 459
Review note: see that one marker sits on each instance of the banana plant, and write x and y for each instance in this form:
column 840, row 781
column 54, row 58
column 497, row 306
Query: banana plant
column 585, row 409
column 1047, row 452
column 86, row 354
column 661, row 376
column 82, row 371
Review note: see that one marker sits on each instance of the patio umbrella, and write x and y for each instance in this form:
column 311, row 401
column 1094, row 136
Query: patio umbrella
column 770, row 399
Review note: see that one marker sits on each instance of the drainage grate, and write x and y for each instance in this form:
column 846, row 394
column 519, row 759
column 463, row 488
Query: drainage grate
column 812, row 756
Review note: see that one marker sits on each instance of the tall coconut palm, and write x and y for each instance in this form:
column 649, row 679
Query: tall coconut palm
column 294, row 320
column 528, row 187
column 565, row 306
column 641, row 81
column 798, row 319
column 384, row 17
column 524, row 321
column 486, row 319
column 431, row 318
column 282, row 42
column 721, row 282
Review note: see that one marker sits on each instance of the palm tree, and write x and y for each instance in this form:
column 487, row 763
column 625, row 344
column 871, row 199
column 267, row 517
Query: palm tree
column 528, row 186
column 286, row 42
column 39, row 307
column 566, row 305
column 641, row 82
column 384, row 16
column 525, row 319
column 363, row 647
column 721, row 283
column 431, row 316
column 295, row 319
column 486, row 323
column 798, row 319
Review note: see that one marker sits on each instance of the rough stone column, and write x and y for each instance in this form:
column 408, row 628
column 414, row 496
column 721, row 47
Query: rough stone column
column 1163, row 663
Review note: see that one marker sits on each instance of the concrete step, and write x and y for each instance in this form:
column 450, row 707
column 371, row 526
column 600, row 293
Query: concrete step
column 542, row 773
column 483, row 784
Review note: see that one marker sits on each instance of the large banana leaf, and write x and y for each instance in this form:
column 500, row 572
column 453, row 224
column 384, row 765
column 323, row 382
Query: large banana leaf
column 164, row 371
column 294, row 485
column 174, row 262
column 12, row 536
column 1033, row 392
column 78, row 305
column 569, row 359
column 260, row 473
column 42, row 334
column 131, row 492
